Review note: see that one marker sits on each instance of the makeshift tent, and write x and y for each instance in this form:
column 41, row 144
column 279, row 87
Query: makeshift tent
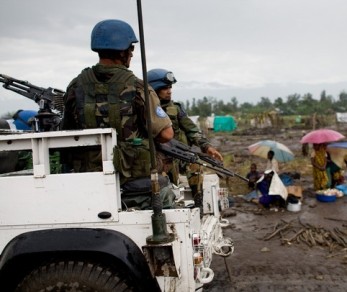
column 224, row 124
column 341, row 117
column 195, row 120
column 209, row 122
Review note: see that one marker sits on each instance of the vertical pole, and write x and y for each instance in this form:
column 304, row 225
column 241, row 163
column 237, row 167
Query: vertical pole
column 159, row 229
column 145, row 83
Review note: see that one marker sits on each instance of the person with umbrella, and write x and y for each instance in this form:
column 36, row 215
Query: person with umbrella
column 319, row 162
column 279, row 152
column 272, row 162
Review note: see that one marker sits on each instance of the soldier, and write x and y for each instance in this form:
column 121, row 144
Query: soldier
column 110, row 95
column 186, row 131
column 22, row 120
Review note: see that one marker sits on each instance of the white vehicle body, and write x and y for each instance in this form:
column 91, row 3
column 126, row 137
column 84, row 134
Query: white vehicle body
column 43, row 202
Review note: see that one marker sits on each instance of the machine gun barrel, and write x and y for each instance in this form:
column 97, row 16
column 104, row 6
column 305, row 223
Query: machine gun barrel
column 47, row 98
column 185, row 153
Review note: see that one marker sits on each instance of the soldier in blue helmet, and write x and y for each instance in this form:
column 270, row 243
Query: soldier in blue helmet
column 108, row 94
column 24, row 120
column 186, row 131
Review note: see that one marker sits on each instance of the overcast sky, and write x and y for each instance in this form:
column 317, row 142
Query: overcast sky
column 222, row 48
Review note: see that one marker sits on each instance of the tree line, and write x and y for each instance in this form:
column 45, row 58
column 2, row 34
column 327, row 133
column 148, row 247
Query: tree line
column 294, row 104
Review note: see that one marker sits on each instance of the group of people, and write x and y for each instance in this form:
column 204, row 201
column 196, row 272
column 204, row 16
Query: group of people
column 326, row 174
column 108, row 94
column 254, row 175
column 266, row 188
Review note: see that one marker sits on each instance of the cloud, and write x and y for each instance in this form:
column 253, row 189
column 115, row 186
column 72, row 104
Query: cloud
column 242, row 48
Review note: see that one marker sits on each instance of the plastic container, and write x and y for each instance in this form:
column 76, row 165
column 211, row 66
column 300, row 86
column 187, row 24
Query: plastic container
column 342, row 188
column 326, row 198
column 294, row 207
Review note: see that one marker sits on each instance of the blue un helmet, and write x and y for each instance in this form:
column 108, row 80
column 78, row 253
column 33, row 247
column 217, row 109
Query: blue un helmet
column 159, row 78
column 23, row 119
column 112, row 34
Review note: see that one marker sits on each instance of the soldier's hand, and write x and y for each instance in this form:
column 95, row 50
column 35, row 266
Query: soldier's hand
column 214, row 153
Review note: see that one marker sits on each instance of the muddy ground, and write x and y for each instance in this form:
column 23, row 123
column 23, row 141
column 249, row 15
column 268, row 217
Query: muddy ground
column 309, row 253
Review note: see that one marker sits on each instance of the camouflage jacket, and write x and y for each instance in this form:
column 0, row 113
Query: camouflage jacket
column 111, row 96
column 186, row 131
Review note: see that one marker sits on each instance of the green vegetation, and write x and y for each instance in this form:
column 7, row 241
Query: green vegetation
column 25, row 161
column 294, row 104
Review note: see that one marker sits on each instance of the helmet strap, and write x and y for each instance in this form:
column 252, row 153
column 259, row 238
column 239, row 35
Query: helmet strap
column 164, row 102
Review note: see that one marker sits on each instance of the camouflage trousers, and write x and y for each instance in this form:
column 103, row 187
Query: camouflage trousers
column 144, row 202
column 194, row 173
column 138, row 193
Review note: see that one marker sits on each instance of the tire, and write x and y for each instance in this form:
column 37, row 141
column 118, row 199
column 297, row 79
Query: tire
column 74, row 276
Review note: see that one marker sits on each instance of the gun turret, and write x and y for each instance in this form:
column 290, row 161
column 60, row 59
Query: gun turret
column 50, row 101
column 186, row 153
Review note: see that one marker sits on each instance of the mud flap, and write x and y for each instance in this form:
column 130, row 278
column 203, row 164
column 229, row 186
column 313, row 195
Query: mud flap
column 164, row 259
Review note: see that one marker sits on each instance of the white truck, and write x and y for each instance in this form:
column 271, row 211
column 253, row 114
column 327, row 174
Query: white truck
column 70, row 231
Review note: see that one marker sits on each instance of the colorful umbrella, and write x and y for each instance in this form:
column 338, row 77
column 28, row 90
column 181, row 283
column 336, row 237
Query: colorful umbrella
column 338, row 152
column 282, row 152
column 321, row 136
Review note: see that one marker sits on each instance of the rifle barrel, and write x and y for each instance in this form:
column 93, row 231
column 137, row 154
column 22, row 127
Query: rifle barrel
column 185, row 153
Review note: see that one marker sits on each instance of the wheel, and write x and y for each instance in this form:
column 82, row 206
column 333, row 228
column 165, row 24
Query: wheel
column 74, row 276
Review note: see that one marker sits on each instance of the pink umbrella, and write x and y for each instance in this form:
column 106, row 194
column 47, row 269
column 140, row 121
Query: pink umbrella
column 321, row 136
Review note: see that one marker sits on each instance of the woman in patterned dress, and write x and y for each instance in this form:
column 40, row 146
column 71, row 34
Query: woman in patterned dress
column 319, row 163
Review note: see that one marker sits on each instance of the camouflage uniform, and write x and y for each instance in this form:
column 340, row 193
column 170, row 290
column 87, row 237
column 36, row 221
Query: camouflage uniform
column 187, row 132
column 133, row 91
column 111, row 96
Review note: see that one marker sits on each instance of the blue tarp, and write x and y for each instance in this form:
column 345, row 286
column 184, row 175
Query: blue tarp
column 224, row 124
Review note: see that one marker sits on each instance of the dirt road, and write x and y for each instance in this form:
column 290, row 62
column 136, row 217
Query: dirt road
column 275, row 265
column 264, row 261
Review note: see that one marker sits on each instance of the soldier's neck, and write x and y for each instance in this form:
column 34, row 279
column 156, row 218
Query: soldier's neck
column 110, row 62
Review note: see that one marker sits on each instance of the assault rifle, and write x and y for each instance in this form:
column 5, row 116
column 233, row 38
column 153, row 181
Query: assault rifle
column 186, row 153
column 50, row 101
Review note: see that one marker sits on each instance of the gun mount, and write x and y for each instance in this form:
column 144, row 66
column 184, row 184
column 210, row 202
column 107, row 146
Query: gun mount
column 50, row 101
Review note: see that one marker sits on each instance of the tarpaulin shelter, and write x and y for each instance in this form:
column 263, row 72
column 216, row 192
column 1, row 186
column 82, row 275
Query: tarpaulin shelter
column 224, row 124
column 195, row 120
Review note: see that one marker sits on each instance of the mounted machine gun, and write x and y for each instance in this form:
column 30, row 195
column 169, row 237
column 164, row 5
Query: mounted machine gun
column 50, row 101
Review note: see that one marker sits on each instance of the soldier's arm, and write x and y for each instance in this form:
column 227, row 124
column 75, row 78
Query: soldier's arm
column 214, row 153
column 165, row 135
column 161, row 123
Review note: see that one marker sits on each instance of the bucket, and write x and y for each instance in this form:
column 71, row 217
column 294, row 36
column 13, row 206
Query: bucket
column 294, row 207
